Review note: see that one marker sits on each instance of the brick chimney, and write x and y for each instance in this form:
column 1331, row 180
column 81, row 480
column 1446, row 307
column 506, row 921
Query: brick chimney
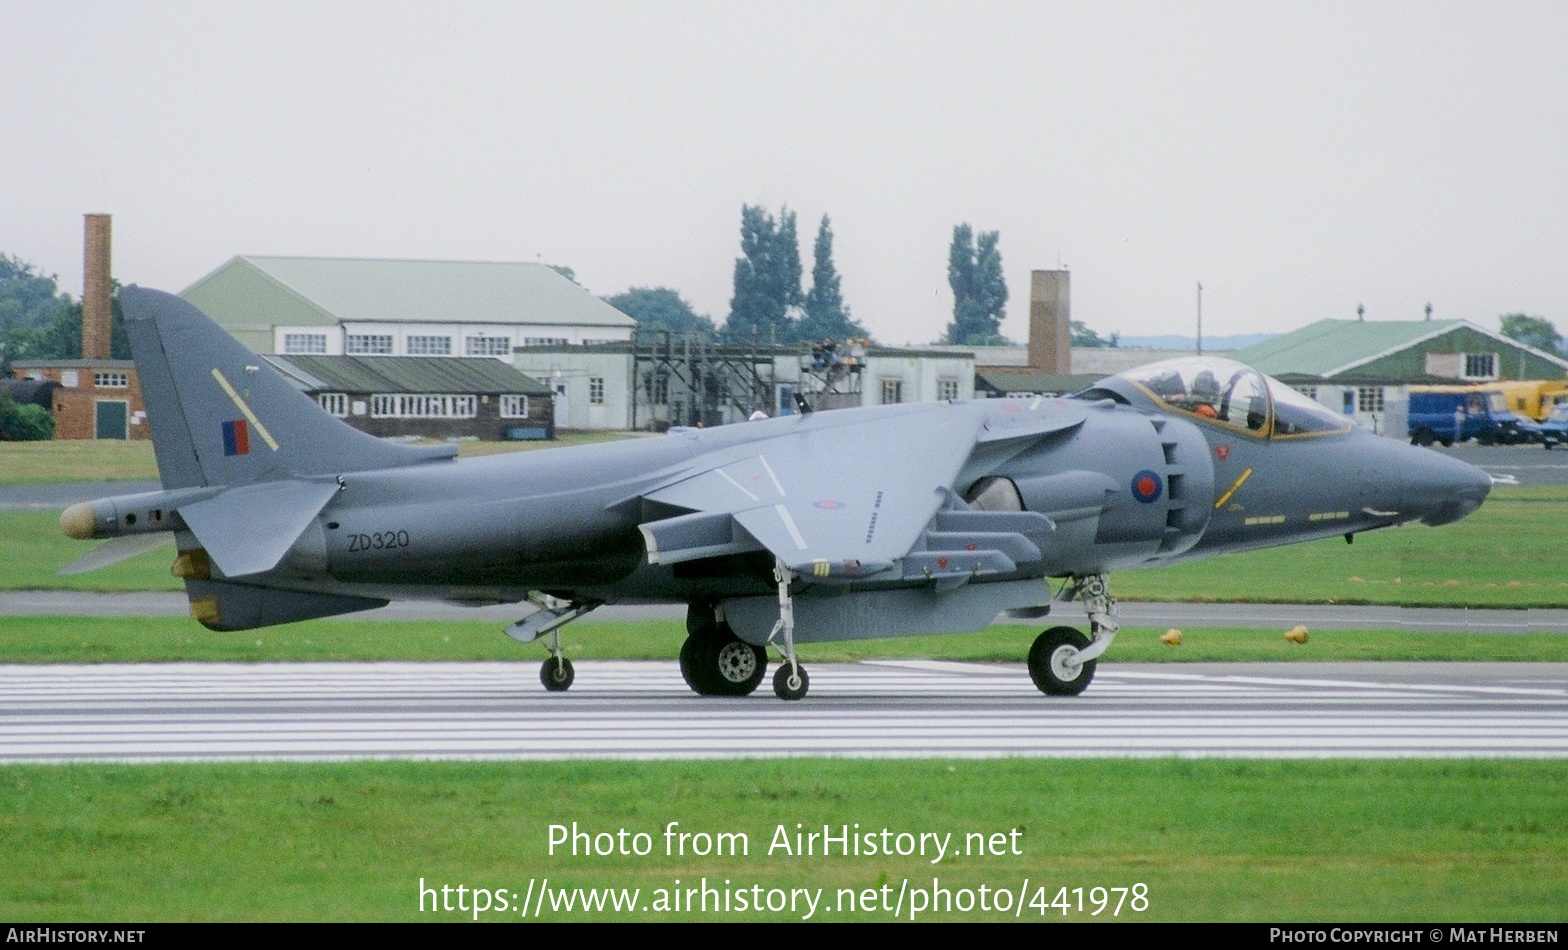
column 1050, row 324
column 95, row 289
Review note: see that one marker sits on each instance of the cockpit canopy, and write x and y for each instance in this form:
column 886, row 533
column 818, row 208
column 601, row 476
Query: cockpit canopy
column 1232, row 394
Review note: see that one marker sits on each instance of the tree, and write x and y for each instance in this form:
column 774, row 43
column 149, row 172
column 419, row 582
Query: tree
column 564, row 271
column 974, row 271
column 826, row 315
column 767, row 277
column 1532, row 331
column 1085, row 337
column 662, row 308
column 27, row 423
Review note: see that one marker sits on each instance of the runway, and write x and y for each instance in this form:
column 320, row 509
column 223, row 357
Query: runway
column 642, row 710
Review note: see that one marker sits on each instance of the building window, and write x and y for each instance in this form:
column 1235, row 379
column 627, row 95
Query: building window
column 514, row 407
column 544, row 341
column 596, row 390
column 598, row 342
column 388, row 406
column 111, row 380
column 1311, row 392
column 304, row 343
column 1480, row 366
column 1369, row 399
column 892, row 391
column 429, row 346
column 487, row 346
column 368, row 344
column 335, row 403
column 946, row 389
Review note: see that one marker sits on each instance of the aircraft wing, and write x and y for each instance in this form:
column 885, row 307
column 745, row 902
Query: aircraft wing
column 842, row 501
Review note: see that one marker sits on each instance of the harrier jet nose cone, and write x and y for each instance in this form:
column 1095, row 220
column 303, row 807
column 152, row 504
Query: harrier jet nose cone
column 1441, row 489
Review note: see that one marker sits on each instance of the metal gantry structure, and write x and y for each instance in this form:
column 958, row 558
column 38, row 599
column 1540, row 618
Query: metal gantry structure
column 690, row 379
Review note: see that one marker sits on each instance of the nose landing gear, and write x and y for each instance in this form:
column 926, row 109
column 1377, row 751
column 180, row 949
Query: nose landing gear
column 1062, row 660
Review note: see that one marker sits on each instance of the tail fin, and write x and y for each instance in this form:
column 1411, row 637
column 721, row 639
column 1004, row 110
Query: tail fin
column 222, row 416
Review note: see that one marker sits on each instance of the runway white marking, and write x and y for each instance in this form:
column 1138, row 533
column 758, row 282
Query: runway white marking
column 333, row 711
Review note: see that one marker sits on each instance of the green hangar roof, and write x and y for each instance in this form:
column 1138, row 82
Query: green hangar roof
column 293, row 291
column 1394, row 348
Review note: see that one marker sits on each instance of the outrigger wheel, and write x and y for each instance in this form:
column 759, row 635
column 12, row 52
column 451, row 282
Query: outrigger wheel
column 790, row 682
column 556, row 674
column 1053, row 662
column 715, row 662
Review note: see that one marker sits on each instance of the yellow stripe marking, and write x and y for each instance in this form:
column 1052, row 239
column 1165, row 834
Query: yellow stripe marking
column 1232, row 490
column 261, row 430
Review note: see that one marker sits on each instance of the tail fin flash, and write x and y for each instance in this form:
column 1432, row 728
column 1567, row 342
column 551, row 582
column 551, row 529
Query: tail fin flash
column 220, row 415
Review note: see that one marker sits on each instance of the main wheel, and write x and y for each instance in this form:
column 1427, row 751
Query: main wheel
column 715, row 662
column 1051, row 666
column 556, row 674
column 791, row 683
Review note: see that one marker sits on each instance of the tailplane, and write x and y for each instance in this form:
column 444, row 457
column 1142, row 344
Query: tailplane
column 220, row 415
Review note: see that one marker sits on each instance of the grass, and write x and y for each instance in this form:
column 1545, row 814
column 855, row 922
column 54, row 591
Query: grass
column 1211, row 840
column 171, row 639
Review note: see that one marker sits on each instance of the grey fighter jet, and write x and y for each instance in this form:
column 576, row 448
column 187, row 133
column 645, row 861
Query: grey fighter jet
column 876, row 522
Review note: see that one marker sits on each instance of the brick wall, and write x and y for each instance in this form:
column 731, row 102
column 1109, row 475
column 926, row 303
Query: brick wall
column 83, row 385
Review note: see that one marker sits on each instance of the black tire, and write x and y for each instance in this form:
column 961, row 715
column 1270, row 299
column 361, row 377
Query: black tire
column 1050, row 674
column 1448, row 443
column 557, row 674
column 1423, row 436
column 783, row 689
column 715, row 662
column 1485, row 437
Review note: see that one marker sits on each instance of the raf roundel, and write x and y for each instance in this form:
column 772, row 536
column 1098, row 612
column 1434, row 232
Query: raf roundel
column 1147, row 486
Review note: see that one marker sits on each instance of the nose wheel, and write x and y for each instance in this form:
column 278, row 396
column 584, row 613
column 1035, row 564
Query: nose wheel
column 1054, row 665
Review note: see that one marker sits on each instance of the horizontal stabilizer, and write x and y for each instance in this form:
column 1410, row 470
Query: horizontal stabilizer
column 247, row 530
column 116, row 550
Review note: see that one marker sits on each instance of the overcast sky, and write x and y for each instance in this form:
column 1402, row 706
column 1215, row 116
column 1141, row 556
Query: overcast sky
column 1297, row 158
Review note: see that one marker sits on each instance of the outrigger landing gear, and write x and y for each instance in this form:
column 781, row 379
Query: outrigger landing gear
column 714, row 661
column 1062, row 660
column 556, row 673
column 790, row 682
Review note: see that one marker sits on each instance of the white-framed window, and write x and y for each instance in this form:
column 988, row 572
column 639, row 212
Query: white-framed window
column 428, row 346
column 892, row 391
column 111, row 380
column 304, row 343
column 422, row 406
column 596, row 390
column 487, row 346
column 368, row 344
column 598, row 342
column 1369, row 399
column 946, row 389
column 1311, row 392
column 1480, row 366
column 544, row 341
column 335, row 403
column 514, row 406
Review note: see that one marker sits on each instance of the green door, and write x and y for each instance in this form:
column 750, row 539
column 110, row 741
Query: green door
column 110, row 419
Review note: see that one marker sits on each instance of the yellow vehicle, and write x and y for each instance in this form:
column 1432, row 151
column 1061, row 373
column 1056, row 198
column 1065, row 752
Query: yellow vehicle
column 1530, row 397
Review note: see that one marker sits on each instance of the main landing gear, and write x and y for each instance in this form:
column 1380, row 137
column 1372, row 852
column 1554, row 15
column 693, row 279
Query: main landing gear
column 1062, row 660
column 715, row 662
